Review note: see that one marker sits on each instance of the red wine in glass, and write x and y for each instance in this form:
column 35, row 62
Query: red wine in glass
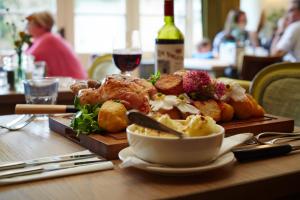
column 127, row 61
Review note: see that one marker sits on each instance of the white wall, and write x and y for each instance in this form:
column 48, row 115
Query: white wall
column 253, row 9
column 269, row 5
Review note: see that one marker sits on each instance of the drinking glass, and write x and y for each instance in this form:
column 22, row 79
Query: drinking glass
column 127, row 55
column 39, row 69
column 3, row 78
column 41, row 91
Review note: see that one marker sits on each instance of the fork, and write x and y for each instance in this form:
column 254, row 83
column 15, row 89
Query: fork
column 282, row 139
column 14, row 125
column 256, row 140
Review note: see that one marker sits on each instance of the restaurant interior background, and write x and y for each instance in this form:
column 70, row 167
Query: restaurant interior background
column 89, row 25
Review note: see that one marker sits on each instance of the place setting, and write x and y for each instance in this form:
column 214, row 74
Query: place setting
column 149, row 99
column 51, row 167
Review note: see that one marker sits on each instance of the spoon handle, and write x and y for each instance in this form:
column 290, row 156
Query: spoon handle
column 148, row 122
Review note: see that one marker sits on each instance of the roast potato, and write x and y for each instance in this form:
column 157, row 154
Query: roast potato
column 247, row 108
column 170, row 84
column 174, row 113
column 112, row 116
column 227, row 112
column 209, row 108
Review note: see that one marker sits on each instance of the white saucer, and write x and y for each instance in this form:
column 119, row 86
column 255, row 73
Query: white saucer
column 220, row 162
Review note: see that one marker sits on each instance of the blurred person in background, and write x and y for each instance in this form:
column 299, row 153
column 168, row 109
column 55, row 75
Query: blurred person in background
column 54, row 50
column 287, row 41
column 234, row 30
column 204, row 49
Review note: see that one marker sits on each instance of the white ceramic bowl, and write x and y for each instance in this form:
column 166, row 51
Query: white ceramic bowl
column 173, row 151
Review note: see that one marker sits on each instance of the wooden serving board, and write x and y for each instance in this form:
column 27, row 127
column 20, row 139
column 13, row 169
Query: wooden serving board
column 258, row 125
column 109, row 145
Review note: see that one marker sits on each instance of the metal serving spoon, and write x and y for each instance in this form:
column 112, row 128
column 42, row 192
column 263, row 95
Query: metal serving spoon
column 148, row 122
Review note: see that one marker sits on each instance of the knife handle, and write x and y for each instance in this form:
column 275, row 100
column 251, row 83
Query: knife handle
column 261, row 151
column 43, row 109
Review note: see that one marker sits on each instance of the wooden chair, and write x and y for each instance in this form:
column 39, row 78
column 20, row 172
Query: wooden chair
column 253, row 64
column 101, row 67
column 277, row 89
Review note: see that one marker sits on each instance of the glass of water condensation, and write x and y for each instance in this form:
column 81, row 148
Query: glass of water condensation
column 41, row 91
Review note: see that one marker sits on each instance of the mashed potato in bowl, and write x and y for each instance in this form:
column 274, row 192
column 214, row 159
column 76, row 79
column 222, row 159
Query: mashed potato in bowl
column 201, row 144
column 192, row 126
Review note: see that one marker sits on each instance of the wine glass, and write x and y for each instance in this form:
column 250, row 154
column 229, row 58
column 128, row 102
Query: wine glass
column 127, row 55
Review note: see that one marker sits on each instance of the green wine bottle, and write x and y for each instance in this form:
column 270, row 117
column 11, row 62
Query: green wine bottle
column 169, row 44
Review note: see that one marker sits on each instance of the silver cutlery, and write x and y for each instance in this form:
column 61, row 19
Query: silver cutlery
column 51, row 167
column 41, row 161
column 16, row 120
column 282, row 140
column 273, row 138
column 148, row 122
column 15, row 125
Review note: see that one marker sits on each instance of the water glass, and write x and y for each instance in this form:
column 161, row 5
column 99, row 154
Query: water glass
column 41, row 91
column 3, row 78
column 39, row 69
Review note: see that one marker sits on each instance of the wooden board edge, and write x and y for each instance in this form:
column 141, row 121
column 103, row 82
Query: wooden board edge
column 108, row 151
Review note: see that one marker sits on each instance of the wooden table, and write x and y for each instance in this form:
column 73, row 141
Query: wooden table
column 264, row 179
column 8, row 100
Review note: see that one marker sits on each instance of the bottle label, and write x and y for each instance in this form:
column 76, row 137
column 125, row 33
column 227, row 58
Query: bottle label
column 169, row 58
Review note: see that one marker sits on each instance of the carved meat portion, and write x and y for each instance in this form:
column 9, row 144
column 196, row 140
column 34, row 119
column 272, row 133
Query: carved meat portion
column 133, row 92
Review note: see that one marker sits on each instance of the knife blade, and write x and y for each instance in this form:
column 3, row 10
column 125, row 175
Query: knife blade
column 40, row 161
column 51, row 167
column 263, row 151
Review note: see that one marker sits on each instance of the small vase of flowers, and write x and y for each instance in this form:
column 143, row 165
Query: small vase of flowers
column 18, row 46
column 20, row 39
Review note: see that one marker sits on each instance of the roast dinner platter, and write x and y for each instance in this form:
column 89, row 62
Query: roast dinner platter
column 190, row 102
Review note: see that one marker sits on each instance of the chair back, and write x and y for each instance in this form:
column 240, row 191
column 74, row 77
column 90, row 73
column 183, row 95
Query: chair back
column 253, row 64
column 101, row 67
column 277, row 89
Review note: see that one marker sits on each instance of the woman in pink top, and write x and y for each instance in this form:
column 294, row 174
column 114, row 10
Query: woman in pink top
column 57, row 53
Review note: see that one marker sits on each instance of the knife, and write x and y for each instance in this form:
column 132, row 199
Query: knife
column 44, row 109
column 40, row 161
column 263, row 151
column 148, row 122
column 51, row 167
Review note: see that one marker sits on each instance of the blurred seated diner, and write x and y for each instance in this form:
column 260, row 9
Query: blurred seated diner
column 234, row 31
column 51, row 48
column 286, row 41
column 204, row 50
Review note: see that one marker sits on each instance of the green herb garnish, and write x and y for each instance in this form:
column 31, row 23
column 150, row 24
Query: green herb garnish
column 86, row 119
column 154, row 77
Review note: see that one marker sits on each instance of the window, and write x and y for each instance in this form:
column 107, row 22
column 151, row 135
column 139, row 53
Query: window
column 17, row 11
column 91, row 24
column 96, row 22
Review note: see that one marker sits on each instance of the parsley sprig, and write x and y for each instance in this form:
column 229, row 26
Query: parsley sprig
column 86, row 119
column 154, row 77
